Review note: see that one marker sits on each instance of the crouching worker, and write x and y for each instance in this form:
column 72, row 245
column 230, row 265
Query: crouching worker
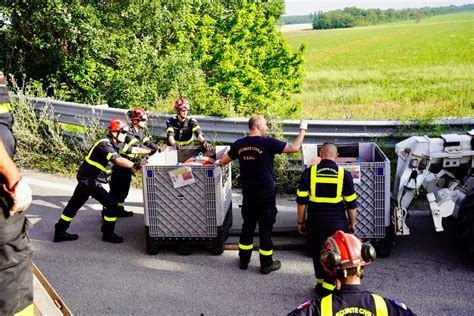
column 344, row 257
column 92, row 173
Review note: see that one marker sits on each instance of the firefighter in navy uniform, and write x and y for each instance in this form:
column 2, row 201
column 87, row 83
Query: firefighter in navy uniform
column 328, row 191
column 122, row 177
column 16, row 269
column 256, row 153
column 92, row 173
column 181, row 129
column 344, row 257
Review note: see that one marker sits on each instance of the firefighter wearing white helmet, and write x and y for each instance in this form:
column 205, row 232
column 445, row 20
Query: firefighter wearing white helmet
column 181, row 129
column 92, row 173
column 344, row 257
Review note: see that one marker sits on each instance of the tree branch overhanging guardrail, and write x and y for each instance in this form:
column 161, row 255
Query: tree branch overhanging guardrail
column 227, row 130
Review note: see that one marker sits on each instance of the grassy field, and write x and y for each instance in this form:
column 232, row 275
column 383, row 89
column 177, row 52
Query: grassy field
column 403, row 70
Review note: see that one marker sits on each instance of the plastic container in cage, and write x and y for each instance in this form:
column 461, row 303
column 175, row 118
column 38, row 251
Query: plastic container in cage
column 370, row 169
column 186, row 203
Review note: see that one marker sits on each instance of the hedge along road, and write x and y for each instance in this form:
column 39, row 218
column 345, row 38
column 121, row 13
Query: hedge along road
column 428, row 271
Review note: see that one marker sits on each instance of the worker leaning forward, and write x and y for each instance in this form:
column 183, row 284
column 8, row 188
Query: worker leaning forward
column 181, row 129
column 328, row 190
column 256, row 154
column 16, row 268
column 344, row 257
column 92, row 173
column 121, row 177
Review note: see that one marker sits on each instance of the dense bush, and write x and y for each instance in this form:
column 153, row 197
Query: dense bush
column 227, row 57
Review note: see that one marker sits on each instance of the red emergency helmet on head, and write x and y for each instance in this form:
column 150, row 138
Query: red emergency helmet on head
column 182, row 105
column 118, row 125
column 344, row 251
column 137, row 114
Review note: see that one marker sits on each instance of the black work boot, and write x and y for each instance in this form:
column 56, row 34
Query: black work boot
column 112, row 238
column 109, row 235
column 60, row 232
column 124, row 213
column 276, row 265
column 64, row 236
column 243, row 265
column 244, row 259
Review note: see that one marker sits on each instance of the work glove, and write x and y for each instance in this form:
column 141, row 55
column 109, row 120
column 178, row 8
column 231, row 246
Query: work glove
column 206, row 145
column 303, row 125
column 17, row 199
column 139, row 164
column 161, row 147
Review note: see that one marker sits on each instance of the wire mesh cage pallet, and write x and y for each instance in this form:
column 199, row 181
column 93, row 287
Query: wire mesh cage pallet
column 186, row 204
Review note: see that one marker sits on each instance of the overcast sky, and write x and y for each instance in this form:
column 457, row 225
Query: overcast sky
column 303, row 7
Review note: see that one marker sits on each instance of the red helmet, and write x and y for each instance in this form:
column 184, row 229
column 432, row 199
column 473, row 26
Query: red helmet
column 137, row 114
column 182, row 105
column 118, row 125
column 344, row 251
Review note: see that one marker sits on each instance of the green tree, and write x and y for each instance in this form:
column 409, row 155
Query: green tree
column 226, row 56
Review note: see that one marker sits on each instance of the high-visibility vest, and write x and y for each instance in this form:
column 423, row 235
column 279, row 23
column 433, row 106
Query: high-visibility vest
column 332, row 177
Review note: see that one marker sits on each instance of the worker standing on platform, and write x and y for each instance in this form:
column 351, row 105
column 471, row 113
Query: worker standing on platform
column 16, row 267
column 181, row 129
column 256, row 153
column 92, row 173
column 121, row 177
column 328, row 191
column 344, row 258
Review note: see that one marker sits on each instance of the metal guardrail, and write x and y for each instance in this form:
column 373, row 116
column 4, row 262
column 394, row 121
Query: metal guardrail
column 227, row 130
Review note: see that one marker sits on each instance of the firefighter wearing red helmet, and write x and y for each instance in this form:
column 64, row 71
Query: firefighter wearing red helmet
column 344, row 257
column 92, row 173
column 137, row 136
column 181, row 129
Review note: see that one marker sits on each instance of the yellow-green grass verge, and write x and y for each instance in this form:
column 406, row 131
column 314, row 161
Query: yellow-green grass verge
column 403, row 70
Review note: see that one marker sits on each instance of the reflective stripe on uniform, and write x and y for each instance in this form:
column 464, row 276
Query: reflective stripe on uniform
column 109, row 156
column 66, row 218
column 380, row 305
column 245, row 247
column 145, row 140
column 170, row 129
column 302, row 193
column 326, row 305
column 94, row 163
column 125, row 148
column 110, row 219
column 319, row 281
column 120, row 204
column 329, row 286
column 195, row 128
column 5, row 107
column 350, row 198
column 266, row 252
column 27, row 311
column 338, row 180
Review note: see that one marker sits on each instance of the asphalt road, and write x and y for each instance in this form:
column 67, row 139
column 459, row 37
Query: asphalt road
column 427, row 270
